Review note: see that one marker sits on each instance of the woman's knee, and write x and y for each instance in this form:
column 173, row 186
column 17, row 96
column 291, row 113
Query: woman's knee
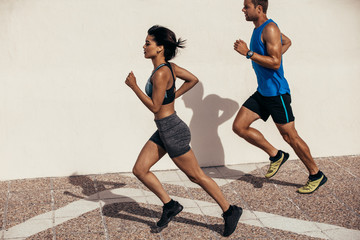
column 198, row 178
column 139, row 171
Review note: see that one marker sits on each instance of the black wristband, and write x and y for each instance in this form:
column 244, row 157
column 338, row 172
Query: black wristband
column 249, row 54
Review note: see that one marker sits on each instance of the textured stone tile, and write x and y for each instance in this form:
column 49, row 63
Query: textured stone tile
column 327, row 210
column 188, row 226
column 175, row 190
column 334, row 203
column 260, row 194
column 167, row 176
column 131, row 220
column 25, row 205
column 133, row 235
column 64, row 197
column 200, row 194
column 82, row 236
column 4, row 186
column 345, row 192
column 3, row 199
column 243, row 231
column 19, row 213
column 86, row 223
column 30, row 197
column 38, row 184
column 343, row 234
column 236, row 170
column 212, row 172
column 113, row 180
column 232, row 196
column 44, row 235
column 279, row 235
column 75, row 182
column 350, row 163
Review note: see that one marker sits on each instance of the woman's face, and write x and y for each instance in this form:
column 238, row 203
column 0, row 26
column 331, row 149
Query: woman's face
column 151, row 49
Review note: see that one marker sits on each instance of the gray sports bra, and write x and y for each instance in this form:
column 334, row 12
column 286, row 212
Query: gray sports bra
column 170, row 93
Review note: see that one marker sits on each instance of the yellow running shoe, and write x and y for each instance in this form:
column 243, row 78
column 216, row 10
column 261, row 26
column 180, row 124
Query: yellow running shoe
column 275, row 166
column 311, row 186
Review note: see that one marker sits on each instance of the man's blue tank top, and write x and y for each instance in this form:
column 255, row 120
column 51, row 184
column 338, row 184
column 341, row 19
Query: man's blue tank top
column 270, row 82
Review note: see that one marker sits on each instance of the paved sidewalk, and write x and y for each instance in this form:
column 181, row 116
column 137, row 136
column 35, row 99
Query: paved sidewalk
column 118, row 206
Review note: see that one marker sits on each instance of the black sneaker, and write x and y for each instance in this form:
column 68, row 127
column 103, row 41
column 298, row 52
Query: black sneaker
column 168, row 214
column 231, row 218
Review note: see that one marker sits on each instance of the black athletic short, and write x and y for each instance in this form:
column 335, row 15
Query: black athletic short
column 278, row 107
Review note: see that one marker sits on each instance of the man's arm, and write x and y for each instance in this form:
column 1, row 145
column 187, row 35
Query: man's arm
column 272, row 39
column 286, row 43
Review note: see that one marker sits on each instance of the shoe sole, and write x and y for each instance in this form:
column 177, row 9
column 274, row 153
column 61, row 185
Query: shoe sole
column 240, row 213
column 286, row 157
column 323, row 181
column 171, row 218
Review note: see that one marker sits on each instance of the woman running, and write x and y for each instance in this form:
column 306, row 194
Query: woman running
column 173, row 135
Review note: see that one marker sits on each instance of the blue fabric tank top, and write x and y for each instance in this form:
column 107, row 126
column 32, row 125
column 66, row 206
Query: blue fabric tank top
column 169, row 94
column 270, row 82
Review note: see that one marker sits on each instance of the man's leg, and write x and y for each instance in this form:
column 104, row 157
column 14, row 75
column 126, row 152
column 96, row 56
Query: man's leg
column 241, row 127
column 301, row 149
column 290, row 135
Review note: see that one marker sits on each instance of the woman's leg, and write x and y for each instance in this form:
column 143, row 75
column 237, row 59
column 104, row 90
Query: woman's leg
column 189, row 165
column 149, row 155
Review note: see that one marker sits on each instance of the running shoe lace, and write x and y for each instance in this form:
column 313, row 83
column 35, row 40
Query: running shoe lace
column 308, row 185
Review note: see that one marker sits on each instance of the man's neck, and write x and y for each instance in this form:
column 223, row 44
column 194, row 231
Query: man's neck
column 263, row 18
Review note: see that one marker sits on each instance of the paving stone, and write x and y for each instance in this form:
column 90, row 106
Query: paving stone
column 118, row 206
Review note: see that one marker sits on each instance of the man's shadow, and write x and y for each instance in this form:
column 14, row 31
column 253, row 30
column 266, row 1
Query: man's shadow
column 258, row 181
column 208, row 114
column 127, row 207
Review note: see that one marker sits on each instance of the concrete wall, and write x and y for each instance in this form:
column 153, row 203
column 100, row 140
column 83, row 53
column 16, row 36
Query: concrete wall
column 64, row 107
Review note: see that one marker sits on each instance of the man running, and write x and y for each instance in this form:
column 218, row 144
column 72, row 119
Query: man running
column 272, row 96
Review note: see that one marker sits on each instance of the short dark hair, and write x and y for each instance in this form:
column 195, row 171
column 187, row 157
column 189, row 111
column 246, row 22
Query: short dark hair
column 263, row 3
column 167, row 38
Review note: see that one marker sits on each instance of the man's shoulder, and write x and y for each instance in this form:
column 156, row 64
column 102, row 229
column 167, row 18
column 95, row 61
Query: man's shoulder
column 271, row 30
column 271, row 26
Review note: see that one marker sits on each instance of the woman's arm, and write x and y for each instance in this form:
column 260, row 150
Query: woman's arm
column 159, row 88
column 190, row 79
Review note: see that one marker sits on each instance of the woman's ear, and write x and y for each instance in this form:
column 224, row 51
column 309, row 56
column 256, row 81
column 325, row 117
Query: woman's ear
column 160, row 49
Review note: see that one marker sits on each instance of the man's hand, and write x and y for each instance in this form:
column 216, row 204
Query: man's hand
column 241, row 47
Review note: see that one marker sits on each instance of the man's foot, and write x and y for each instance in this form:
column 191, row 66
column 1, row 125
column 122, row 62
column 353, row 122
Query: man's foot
column 231, row 218
column 312, row 185
column 169, row 213
column 276, row 164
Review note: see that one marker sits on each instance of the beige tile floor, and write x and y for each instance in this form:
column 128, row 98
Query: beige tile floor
column 118, row 206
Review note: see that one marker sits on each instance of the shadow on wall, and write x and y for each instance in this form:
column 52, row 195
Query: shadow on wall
column 208, row 114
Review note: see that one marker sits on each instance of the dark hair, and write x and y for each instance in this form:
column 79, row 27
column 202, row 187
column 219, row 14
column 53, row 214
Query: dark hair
column 262, row 3
column 167, row 38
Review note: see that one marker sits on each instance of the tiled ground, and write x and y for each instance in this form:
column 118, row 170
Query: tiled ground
column 118, row 206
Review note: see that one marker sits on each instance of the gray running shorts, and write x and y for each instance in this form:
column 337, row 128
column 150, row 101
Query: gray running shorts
column 173, row 135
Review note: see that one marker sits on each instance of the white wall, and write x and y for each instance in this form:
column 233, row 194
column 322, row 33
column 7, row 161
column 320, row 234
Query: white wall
column 64, row 107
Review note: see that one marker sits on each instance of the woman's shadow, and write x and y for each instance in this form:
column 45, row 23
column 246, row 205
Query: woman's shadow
column 208, row 114
column 126, row 209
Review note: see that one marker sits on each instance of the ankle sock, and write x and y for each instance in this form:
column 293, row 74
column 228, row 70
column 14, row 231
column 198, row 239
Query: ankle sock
column 169, row 204
column 316, row 176
column 228, row 212
column 277, row 157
